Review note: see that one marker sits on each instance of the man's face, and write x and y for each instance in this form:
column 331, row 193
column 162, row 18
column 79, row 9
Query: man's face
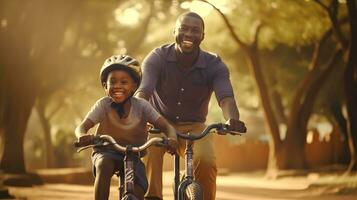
column 188, row 34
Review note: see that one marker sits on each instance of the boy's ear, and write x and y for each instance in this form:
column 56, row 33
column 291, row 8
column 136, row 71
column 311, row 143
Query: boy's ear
column 136, row 86
column 105, row 85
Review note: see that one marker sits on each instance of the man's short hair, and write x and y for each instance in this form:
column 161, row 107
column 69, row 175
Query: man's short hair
column 192, row 14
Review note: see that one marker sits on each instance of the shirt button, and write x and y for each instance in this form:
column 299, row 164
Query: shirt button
column 177, row 117
column 178, row 103
column 182, row 89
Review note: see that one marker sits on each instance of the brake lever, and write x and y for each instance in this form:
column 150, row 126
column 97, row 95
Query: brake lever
column 224, row 131
column 97, row 143
column 86, row 147
column 235, row 133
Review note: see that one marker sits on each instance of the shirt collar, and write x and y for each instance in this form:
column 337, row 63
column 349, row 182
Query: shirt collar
column 200, row 63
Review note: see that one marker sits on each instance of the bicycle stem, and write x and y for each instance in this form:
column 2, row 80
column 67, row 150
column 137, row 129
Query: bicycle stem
column 129, row 171
column 189, row 160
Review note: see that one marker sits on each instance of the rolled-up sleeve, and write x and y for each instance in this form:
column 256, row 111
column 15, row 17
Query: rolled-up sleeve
column 150, row 70
column 221, row 83
column 97, row 112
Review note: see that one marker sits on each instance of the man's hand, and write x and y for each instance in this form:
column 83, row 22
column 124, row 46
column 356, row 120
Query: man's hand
column 235, row 125
column 172, row 146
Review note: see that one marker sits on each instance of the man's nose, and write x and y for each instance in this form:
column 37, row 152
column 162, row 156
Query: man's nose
column 189, row 33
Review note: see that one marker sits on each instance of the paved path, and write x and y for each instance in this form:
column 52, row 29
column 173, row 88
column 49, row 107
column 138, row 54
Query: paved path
column 232, row 187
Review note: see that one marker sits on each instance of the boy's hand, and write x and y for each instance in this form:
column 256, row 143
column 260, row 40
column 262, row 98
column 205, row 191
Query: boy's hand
column 236, row 125
column 172, row 146
column 86, row 139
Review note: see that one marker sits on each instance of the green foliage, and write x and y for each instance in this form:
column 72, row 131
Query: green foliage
column 97, row 29
column 294, row 23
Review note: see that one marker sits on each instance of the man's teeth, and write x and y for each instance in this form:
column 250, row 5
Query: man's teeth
column 187, row 44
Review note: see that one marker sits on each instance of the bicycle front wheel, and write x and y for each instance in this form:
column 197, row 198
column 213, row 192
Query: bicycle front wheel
column 194, row 192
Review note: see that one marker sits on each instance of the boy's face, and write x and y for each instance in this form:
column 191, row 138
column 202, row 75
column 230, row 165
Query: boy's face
column 119, row 86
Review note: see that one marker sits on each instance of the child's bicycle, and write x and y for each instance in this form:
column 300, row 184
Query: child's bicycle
column 126, row 183
column 187, row 188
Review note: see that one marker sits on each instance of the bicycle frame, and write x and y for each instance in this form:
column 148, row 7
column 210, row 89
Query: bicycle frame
column 129, row 175
column 180, row 186
column 188, row 177
column 126, row 183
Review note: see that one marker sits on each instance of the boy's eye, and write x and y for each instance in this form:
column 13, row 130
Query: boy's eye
column 124, row 81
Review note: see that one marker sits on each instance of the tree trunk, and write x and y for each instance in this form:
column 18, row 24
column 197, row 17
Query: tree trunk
column 18, row 93
column 21, row 64
column 274, row 142
column 48, row 148
column 19, row 102
column 350, row 87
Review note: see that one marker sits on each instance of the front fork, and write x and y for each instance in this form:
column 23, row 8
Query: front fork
column 180, row 187
column 129, row 175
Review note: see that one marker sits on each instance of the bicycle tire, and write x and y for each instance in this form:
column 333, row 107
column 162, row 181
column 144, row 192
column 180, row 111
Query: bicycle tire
column 194, row 191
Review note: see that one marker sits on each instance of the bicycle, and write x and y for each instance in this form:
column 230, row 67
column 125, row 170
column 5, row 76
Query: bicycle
column 126, row 183
column 187, row 188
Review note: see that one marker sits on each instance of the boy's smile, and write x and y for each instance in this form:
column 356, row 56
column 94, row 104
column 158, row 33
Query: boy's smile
column 120, row 86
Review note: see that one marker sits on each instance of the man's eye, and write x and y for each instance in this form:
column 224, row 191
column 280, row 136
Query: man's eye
column 183, row 29
column 196, row 31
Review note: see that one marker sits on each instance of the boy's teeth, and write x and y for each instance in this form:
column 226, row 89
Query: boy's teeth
column 118, row 93
column 187, row 42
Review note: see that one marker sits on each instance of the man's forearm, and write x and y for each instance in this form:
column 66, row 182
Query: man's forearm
column 142, row 95
column 229, row 108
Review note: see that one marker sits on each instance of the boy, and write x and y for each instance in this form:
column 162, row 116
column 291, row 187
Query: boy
column 123, row 117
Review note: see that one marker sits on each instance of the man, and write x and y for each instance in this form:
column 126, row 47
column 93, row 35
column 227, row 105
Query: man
column 178, row 80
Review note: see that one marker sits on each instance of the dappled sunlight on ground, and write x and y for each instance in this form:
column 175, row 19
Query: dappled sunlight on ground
column 233, row 186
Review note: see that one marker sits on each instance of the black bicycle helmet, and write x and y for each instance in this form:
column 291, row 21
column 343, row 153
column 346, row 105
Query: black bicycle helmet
column 121, row 62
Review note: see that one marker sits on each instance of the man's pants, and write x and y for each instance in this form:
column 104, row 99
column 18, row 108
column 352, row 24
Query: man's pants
column 205, row 169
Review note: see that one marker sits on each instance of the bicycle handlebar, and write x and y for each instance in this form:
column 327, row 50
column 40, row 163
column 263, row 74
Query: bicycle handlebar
column 220, row 127
column 106, row 140
column 217, row 126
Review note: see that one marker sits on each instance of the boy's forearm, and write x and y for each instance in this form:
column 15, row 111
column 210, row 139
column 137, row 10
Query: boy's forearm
column 83, row 128
column 80, row 131
column 165, row 127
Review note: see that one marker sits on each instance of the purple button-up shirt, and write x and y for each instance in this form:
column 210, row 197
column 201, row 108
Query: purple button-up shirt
column 183, row 96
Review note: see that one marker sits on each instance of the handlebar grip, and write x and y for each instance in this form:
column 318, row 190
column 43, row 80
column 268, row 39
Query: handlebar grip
column 78, row 144
column 243, row 130
column 154, row 131
column 225, row 129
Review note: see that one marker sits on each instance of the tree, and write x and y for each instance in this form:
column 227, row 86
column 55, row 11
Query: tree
column 350, row 86
column 47, row 56
column 348, row 44
column 287, row 153
column 22, row 76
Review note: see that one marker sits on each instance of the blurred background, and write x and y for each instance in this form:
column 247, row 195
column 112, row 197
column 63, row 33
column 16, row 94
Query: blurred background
column 291, row 66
